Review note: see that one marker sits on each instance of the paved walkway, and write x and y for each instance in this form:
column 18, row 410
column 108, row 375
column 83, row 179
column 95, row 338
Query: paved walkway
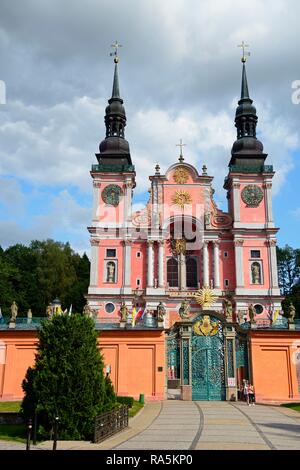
column 178, row 425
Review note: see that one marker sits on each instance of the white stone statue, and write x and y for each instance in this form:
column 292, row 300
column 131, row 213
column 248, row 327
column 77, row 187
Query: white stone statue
column 111, row 272
column 255, row 270
column 14, row 311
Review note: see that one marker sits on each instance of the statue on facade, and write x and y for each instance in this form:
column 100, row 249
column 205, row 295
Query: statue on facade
column 252, row 312
column 227, row 304
column 161, row 311
column 240, row 316
column 184, row 309
column 88, row 311
column 14, row 312
column 255, row 271
column 124, row 312
column 111, row 272
column 207, row 219
column 291, row 313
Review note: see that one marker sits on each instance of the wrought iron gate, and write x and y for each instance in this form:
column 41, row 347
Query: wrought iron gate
column 208, row 374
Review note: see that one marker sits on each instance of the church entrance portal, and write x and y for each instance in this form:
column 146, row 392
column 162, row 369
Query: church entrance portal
column 208, row 374
column 206, row 356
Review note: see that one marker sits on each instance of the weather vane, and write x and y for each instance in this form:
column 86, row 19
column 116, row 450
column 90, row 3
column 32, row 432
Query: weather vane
column 245, row 53
column 181, row 158
column 116, row 46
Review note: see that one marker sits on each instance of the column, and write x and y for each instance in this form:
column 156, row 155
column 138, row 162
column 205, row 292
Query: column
column 268, row 199
column 96, row 190
column 205, row 264
column 155, row 220
column 216, row 264
column 161, row 257
column 273, row 263
column 150, row 271
column 182, row 271
column 127, row 201
column 239, row 264
column 127, row 263
column 230, row 364
column 94, row 263
column 236, row 201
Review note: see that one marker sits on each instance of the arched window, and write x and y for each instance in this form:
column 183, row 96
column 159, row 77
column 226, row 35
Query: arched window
column 172, row 272
column 191, row 273
column 111, row 272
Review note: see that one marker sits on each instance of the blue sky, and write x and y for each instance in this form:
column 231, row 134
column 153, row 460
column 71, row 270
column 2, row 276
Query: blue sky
column 180, row 75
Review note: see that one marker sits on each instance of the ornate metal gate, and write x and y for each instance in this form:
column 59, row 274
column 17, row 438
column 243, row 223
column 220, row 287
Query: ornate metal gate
column 208, row 373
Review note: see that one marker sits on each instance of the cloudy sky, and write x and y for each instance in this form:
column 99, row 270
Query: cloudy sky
column 180, row 75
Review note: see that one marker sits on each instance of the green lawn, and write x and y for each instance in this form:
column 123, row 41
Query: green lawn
column 135, row 408
column 293, row 406
column 10, row 405
column 12, row 432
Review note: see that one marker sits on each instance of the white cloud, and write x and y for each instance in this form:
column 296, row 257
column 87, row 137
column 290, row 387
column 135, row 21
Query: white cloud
column 179, row 72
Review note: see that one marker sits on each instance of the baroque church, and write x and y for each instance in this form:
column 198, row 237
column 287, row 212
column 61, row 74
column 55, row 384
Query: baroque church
column 185, row 296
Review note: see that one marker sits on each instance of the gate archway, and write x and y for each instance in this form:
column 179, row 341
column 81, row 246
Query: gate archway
column 208, row 365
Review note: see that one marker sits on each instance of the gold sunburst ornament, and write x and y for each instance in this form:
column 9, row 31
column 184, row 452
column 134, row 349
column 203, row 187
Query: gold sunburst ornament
column 181, row 198
column 205, row 297
column 181, row 175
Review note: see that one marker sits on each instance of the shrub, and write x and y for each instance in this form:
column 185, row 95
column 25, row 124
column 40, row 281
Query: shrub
column 126, row 401
column 67, row 379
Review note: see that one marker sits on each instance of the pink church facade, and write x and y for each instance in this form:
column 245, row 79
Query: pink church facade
column 137, row 258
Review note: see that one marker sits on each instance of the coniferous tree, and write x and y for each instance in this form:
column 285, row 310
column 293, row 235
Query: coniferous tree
column 67, row 379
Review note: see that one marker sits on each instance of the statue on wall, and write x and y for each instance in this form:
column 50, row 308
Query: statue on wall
column 252, row 312
column 88, row 311
column 111, row 268
column 240, row 316
column 227, row 304
column 184, row 309
column 49, row 312
column 14, row 311
column 161, row 311
column 256, row 274
column 29, row 316
column 124, row 312
column 291, row 313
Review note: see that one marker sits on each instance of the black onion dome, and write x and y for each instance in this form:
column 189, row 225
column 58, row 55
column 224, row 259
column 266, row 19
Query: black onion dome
column 115, row 148
column 246, row 122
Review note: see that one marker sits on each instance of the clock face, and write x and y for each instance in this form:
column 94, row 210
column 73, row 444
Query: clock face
column 252, row 195
column 112, row 194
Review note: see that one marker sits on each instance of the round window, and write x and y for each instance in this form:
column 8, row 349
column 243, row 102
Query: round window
column 109, row 308
column 258, row 309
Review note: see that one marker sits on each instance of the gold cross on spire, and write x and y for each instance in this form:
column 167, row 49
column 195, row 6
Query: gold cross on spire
column 116, row 46
column 181, row 158
column 245, row 53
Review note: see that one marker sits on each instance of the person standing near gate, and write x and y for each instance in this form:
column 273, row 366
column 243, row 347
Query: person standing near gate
column 246, row 391
column 251, row 395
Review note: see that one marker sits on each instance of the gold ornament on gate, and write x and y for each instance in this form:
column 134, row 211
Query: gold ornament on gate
column 181, row 198
column 181, row 175
column 206, row 327
column 205, row 297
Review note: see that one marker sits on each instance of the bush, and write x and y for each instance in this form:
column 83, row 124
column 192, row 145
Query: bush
column 126, row 401
column 67, row 379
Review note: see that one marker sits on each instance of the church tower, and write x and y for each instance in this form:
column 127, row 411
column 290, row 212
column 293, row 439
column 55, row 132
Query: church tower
column 113, row 182
column 249, row 193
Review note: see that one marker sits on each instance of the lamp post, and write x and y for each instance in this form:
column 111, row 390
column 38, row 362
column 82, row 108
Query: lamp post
column 29, row 429
column 55, row 432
